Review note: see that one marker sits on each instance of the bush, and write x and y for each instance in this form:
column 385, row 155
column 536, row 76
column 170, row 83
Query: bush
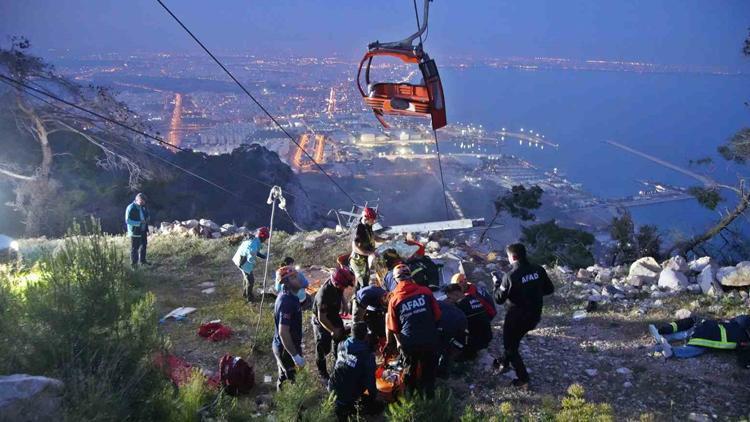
column 79, row 316
column 304, row 401
column 576, row 409
column 191, row 398
column 414, row 408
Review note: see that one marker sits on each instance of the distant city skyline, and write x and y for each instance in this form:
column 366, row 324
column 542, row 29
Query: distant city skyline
column 673, row 32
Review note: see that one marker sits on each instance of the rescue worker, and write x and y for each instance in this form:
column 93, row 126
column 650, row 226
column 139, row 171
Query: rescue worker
column 287, row 336
column 137, row 219
column 391, row 258
column 524, row 287
column 480, row 293
column 301, row 294
column 328, row 327
column 353, row 375
column 363, row 249
column 452, row 329
column 702, row 335
column 371, row 305
column 244, row 259
column 478, row 322
column 412, row 319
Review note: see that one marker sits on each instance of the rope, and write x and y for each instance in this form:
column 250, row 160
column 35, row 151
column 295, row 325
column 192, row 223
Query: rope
column 442, row 180
column 416, row 15
column 267, row 113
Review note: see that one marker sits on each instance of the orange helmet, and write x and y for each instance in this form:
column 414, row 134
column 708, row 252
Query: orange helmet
column 284, row 272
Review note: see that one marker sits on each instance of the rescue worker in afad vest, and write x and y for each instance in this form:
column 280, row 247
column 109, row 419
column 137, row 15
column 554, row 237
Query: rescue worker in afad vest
column 701, row 336
column 412, row 319
column 363, row 250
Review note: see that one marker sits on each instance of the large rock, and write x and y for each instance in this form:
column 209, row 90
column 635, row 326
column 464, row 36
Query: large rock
column 708, row 283
column 604, row 276
column 676, row 263
column 645, row 267
column 583, row 274
column 210, row 225
column 738, row 276
column 30, row 398
column 639, row 281
column 672, row 280
column 191, row 223
column 698, row 265
column 228, row 229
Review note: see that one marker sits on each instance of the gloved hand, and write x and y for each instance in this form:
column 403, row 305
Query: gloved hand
column 299, row 361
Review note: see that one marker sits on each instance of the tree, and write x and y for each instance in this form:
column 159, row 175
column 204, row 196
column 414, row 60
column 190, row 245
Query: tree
column 519, row 203
column 46, row 123
column 736, row 150
column 631, row 244
column 551, row 244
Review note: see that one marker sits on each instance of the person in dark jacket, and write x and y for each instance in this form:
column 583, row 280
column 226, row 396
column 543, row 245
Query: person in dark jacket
column 412, row 319
column 524, row 287
column 452, row 329
column 371, row 304
column 354, row 374
column 478, row 321
column 137, row 219
column 702, row 335
column 287, row 337
column 327, row 324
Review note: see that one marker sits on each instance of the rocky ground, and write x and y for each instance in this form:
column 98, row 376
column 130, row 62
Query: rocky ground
column 607, row 350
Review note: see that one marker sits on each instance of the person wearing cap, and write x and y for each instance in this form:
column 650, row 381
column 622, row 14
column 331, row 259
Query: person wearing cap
column 452, row 329
column 363, row 249
column 702, row 335
column 244, row 259
column 354, row 375
column 412, row 319
column 524, row 287
column 137, row 219
column 287, row 336
column 301, row 294
column 481, row 294
column 478, row 321
column 371, row 305
column 328, row 327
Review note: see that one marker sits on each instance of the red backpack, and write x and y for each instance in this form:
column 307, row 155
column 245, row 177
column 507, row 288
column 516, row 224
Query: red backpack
column 237, row 377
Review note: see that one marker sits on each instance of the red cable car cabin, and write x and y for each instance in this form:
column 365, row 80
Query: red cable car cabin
column 404, row 99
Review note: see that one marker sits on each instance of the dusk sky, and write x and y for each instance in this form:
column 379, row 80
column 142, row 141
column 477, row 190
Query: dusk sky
column 698, row 32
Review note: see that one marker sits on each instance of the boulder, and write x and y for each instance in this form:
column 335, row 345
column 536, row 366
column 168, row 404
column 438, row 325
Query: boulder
column 676, row 263
column 215, row 235
column 639, row 281
column 604, row 276
column 697, row 265
column 584, row 274
column 165, row 227
column 30, row 398
column 738, row 276
column 707, row 282
column 191, row 223
column 228, row 229
column 646, row 267
column 682, row 314
column 210, row 225
column 672, row 280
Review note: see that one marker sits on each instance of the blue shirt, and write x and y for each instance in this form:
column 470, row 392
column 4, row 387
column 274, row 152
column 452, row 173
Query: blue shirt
column 389, row 282
column 287, row 311
column 249, row 249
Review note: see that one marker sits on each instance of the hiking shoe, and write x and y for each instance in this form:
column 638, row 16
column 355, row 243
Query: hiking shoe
column 666, row 348
column 655, row 333
column 520, row 384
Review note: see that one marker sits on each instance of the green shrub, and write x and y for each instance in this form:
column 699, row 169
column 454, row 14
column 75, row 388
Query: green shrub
column 83, row 319
column 191, row 398
column 414, row 408
column 576, row 409
column 305, row 400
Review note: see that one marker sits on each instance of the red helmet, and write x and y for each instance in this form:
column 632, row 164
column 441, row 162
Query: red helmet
column 369, row 213
column 401, row 272
column 342, row 278
column 263, row 233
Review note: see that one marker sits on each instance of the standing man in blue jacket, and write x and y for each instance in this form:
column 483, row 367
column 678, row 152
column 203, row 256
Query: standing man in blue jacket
column 244, row 259
column 137, row 219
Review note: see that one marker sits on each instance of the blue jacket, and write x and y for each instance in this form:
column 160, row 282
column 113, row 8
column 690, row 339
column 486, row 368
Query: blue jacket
column 353, row 372
column 136, row 218
column 248, row 249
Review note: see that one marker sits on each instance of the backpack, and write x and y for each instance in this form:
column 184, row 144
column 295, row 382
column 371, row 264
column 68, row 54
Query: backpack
column 236, row 376
column 424, row 271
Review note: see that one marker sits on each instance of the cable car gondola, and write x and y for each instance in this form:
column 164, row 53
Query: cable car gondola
column 402, row 98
